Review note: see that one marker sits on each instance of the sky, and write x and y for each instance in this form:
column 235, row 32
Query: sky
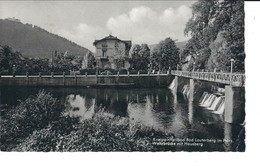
column 85, row 21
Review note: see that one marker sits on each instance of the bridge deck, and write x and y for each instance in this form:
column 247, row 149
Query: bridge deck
column 234, row 79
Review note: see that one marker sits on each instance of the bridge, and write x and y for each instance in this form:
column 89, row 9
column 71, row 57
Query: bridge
column 234, row 90
column 234, row 79
column 150, row 79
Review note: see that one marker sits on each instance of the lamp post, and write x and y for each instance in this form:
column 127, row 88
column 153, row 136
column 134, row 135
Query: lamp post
column 193, row 66
column 149, row 67
column 169, row 70
column 177, row 67
column 150, row 63
column 14, row 70
column 231, row 70
column 232, row 63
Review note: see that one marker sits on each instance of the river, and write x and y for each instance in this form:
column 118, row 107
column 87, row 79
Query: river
column 156, row 108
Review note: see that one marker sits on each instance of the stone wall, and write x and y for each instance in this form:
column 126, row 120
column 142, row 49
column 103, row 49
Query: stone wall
column 90, row 80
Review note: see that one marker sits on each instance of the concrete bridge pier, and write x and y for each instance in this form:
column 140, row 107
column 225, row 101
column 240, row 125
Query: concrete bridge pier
column 176, row 84
column 191, row 96
column 234, row 104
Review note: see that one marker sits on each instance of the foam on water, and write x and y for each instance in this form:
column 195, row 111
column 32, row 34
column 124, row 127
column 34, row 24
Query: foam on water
column 216, row 102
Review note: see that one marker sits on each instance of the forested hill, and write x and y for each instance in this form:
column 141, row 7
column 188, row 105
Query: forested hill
column 35, row 42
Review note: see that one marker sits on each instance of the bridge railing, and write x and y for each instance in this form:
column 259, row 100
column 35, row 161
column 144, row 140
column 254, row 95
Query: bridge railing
column 235, row 79
column 86, row 75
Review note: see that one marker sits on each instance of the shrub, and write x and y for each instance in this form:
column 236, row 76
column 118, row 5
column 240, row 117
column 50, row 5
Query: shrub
column 104, row 132
column 34, row 113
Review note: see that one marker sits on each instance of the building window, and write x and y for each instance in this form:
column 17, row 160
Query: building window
column 104, row 45
column 103, row 53
column 116, row 44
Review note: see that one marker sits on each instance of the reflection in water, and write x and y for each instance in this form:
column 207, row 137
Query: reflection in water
column 161, row 109
column 227, row 136
column 142, row 113
column 80, row 107
column 190, row 114
column 179, row 127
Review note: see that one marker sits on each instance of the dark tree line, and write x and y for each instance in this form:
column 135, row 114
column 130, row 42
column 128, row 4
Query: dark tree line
column 13, row 61
column 163, row 56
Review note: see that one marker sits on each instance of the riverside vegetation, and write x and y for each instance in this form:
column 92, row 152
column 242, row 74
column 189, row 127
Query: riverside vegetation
column 40, row 123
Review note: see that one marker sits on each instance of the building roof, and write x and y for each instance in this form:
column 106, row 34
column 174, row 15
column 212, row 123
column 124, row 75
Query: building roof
column 110, row 37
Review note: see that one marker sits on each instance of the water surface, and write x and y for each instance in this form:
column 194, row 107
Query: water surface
column 160, row 109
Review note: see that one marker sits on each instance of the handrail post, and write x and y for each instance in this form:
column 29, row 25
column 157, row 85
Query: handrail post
column 63, row 78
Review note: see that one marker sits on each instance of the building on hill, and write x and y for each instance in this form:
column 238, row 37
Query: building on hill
column 13, row 19
column 112, row 52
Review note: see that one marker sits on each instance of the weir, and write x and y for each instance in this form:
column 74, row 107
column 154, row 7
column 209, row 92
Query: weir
column 128, row 80
column 230, row 104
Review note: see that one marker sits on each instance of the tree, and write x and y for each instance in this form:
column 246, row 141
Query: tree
column 9, row 59
column 140, row 57
column 119, row 63
column 66, row 63
column 144, row 54
column 166, row 55
column 234, row 33
column 91, row 60
column 200, row 28
column 213, row 21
